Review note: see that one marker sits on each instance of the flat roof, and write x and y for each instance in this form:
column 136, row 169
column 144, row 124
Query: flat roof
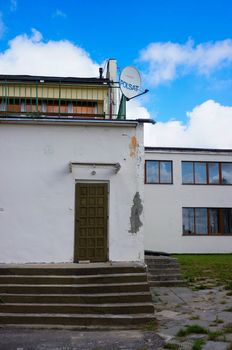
column 48, row 79
column 188, row 149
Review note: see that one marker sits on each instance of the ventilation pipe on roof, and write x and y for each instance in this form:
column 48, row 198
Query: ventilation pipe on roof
column 111, row 74
column 100, row 73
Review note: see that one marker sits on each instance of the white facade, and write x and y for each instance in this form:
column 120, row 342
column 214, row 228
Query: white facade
column 164, row 203
column 37, row 187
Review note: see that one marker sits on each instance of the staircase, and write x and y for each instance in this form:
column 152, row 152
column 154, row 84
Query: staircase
column 75, row 295
column 163, row 271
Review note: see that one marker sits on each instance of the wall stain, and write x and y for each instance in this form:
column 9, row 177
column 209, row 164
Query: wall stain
column 133, row 146
column 136, row 211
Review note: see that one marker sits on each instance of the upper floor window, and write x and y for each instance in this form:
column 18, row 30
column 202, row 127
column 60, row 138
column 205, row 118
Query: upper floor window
column 50, row 107
column 206, row 173
column 158, row 172
column 207, row 221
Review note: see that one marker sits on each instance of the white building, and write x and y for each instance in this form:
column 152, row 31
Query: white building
column 72, row 179
column 188, row 200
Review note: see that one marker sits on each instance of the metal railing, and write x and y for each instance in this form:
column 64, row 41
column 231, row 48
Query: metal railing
column 45, row 100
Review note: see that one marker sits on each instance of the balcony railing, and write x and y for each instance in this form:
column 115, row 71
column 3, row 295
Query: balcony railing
column 42, row 100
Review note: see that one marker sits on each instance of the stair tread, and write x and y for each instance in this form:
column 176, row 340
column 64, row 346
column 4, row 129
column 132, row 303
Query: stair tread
column 75, row 276
column 78, row 295
column 78, row 304
column 130, row 316
column 72, row 285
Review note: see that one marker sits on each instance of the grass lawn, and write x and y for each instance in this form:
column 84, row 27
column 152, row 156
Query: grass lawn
column 202, row 271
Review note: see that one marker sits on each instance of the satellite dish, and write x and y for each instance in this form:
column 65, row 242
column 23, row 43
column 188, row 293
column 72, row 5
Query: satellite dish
column 130, row 82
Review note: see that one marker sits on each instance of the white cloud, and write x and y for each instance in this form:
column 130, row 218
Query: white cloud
column 167, row 60
column 134, row 110
column 59, row 13
column 2, row 26
column 31, row 55
column 209, row 126
column 13, row 5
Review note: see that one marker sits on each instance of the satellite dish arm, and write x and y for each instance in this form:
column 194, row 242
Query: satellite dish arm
column 142, row 93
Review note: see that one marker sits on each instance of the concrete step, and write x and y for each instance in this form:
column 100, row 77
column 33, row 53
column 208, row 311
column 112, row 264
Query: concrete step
column 130, row 297
column 166, row 271
column 68, row 280
column 163, row 271
column 160, row 259
column 163, row 266
column 160, row 277
column 94, row 295
column 71, row 269
column 87, row 320
column 113, row 308
column 74, row 289
column 171, row 283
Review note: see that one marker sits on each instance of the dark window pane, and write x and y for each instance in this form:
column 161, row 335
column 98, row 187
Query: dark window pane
column 227, row 220
column 165, row 172
column 214, row 220
column 187, row 172
column 188, row 220
column 227, row 173
column 213, row 173
column 152, row 174
column 200, row 173
column 201, row 221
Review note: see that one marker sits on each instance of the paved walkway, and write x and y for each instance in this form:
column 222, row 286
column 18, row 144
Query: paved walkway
column 175, row 309
column 19, row 339
column 209, row 308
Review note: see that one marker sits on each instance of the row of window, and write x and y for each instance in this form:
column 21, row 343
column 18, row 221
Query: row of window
column 198, row 173
column 48, row 106
column 207, row 221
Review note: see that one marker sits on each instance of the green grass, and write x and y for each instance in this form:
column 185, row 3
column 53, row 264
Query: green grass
column 227, row 328
column 192, row 329
column 214, row 335
column 200, row 270
column 151, row 326
column 172, row 346
column 198, row 344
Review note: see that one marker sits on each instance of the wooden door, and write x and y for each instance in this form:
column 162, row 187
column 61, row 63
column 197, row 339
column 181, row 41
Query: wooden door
column 91, row 213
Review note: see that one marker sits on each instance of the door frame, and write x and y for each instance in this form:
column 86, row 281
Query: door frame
column 75, row 257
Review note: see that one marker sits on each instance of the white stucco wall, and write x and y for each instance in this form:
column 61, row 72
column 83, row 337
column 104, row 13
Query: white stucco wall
column 163, row 207
column 37, row 188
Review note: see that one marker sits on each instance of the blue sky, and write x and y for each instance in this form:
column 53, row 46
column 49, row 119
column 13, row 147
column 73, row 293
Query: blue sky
column 182, row 48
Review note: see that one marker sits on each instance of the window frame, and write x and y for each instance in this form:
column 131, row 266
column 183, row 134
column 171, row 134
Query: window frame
column 207, row 183
column 159, row 182
column 221, row 224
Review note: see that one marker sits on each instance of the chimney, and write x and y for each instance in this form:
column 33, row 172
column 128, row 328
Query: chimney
column 111, row 73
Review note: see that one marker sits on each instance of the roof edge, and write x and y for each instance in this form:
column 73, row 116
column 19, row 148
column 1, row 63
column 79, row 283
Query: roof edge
column 189, row 149
column 51, row 79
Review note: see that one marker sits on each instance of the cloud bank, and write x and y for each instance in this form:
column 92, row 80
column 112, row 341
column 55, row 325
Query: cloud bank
column 31, row 55
column 165, row 61
column 209, row 126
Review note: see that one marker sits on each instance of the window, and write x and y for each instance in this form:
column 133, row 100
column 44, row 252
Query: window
column 158, row 172
column 187, row 173
column 207, row 173
column 207, row 221
column 226, row 175
column 200, row 172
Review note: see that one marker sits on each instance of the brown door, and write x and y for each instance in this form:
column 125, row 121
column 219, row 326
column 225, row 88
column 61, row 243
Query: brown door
column 91, row 210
